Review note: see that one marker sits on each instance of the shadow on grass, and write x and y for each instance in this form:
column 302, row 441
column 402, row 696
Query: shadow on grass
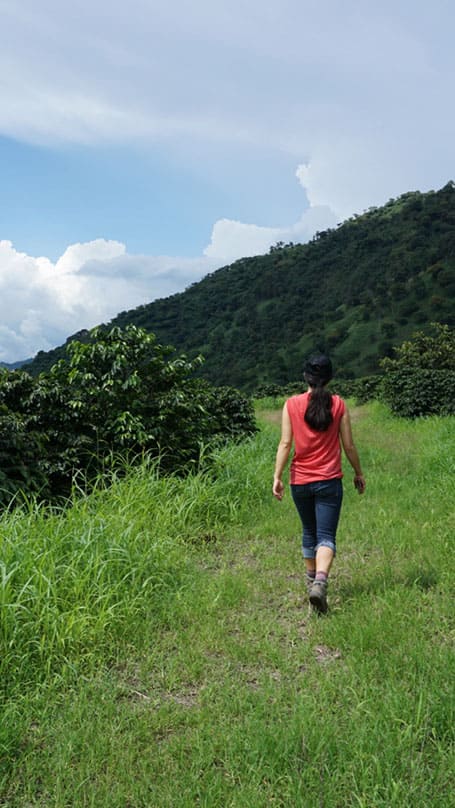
column 424, row 578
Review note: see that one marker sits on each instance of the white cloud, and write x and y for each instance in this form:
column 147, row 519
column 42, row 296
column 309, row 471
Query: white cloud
column 42, row 303
column 357, row 88
column 231, row 239
column 354, row 171
column 357, row 91
column 276, row 72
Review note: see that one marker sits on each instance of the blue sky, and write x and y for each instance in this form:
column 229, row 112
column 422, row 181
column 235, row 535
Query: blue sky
column 144, row 144
column 52, row 197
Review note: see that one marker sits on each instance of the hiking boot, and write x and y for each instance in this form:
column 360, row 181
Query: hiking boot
column 309, row 583
column 318, row 596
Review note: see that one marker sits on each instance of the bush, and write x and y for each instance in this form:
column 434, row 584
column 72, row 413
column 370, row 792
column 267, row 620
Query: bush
column 232, row 413
column 420, row 379
column 21, row 451
column 269, row 391
column 368, row 388
column 415, row 392
column 346, row 388
column 120, row 396
column 424, row 351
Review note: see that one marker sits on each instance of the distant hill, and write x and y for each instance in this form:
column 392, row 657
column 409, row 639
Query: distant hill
column 354, row 291
column 14, row 365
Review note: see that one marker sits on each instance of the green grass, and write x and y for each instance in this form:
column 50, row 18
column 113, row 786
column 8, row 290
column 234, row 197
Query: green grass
column 157, row 648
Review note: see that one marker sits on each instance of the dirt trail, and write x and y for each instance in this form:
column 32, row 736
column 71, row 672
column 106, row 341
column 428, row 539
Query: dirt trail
column 270, row 416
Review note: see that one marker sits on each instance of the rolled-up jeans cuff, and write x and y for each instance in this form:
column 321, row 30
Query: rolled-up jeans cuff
column 308, row 552
column 327, row 543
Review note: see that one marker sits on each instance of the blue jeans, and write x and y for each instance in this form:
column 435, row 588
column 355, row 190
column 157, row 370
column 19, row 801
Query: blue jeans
column 319, row 506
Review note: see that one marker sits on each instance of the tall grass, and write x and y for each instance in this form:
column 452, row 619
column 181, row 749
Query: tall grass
column 157, row 648
column 74, row 583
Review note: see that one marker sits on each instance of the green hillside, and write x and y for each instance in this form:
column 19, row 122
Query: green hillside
column 355, row 291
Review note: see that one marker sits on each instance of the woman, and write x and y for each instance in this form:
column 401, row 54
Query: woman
column 315, row 422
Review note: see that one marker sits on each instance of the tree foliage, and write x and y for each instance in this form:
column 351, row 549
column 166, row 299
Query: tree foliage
column 420, row 378
column 121, row 394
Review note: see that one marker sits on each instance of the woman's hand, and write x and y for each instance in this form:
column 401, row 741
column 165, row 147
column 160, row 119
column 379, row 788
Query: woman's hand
column 359, row 482
column 278, row 488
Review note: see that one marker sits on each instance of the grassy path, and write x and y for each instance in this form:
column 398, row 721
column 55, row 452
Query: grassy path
column 232, row 693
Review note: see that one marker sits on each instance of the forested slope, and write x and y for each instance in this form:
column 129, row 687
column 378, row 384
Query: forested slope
column 355, row 291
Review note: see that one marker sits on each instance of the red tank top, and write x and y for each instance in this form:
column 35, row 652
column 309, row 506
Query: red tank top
column 317, row 455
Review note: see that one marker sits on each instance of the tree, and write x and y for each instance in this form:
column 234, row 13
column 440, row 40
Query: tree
column 420, row 378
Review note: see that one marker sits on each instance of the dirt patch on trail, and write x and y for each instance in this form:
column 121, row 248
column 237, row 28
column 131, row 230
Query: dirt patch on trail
column 357, row 413
column 270, row 416
column 324, row 654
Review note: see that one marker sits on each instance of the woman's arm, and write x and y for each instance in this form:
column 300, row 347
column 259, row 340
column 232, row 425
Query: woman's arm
column 351, row 451
column 284, row 447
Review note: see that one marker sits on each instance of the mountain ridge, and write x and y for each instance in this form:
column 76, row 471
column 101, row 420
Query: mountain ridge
column 15, row 365
column 354, row 291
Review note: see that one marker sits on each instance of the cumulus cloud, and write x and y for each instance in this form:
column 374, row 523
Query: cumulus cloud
column 231, row 239
column 42, row 303
column 359, row 90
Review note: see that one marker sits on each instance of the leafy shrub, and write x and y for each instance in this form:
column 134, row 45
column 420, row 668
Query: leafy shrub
column 20, row 454
column 232, row 413
column 415, row 392
column 268, row 391
column 363, row 389
column 120, row 395
column 424, row 351
column 21, row 445
column 420, row 379
column 346, row 388
column 368, row 388
column 280, row 390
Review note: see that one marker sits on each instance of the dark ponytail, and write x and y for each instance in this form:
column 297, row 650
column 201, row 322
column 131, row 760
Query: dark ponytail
column 317, row 372
column 318, row 413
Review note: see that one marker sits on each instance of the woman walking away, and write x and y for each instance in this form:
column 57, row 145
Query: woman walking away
column 315, row 422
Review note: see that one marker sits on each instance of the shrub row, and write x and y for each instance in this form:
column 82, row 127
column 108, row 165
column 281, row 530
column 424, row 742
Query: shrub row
column 119, row 396
column 363, row 389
